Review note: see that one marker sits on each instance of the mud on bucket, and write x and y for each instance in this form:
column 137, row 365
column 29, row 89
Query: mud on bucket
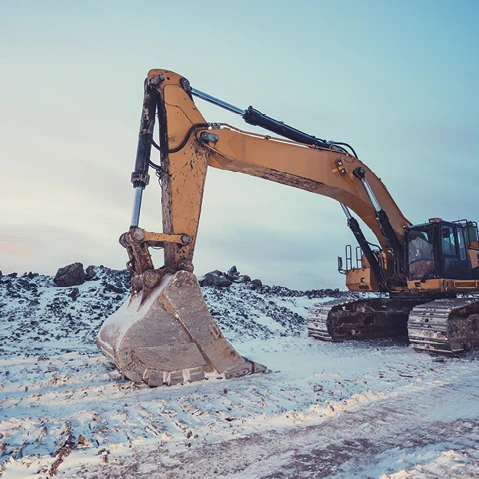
column 171, row 338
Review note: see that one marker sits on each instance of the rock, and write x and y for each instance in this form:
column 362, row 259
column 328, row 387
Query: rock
column 114, row 289
column 242, row 278
column 70, row 275
column 223, row 282
column 257, row 284
column 232, row 273
column 83, row 441
column 74, row 294
column 216, row 278
column 207, row 280
column 12, row 275
column 90, row 273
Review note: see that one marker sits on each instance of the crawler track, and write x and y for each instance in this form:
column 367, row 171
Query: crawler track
column 318, row 318
column 360, row 319
column 443, row 326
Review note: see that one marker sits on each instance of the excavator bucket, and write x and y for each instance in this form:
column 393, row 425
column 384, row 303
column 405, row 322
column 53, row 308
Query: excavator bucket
column 170, row 338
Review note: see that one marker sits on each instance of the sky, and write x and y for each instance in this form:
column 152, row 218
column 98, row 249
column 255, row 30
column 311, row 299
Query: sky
column 396, row 80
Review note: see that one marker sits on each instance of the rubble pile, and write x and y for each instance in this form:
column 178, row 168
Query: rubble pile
column 68, row 309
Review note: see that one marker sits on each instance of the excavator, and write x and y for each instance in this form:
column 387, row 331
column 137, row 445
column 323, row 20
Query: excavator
column 426, row 273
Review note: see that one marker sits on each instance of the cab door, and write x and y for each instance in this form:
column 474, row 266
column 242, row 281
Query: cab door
column 455, row 262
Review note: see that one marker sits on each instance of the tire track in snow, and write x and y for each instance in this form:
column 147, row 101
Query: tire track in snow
column 379, row 438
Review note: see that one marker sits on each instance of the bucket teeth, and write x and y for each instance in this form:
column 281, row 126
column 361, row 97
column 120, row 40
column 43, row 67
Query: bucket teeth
column 170, row 338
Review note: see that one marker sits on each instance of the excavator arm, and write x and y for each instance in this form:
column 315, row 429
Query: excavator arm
column 188, row 145
column 164, row 333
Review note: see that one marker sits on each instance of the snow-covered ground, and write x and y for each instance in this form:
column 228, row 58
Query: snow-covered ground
column 349, row 410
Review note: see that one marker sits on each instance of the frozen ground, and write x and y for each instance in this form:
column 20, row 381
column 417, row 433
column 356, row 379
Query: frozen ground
column 349, row 410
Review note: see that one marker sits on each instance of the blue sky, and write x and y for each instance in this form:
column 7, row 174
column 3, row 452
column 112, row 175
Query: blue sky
column 397, row 80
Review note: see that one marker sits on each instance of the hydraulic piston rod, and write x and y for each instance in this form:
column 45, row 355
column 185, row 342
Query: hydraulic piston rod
column 382, row 217
column 135, row 216
column 256, row 118
column 140, row 177
column 217, row 101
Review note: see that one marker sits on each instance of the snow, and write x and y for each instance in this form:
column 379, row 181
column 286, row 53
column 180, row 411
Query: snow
column 351, row 410
column 129, row 312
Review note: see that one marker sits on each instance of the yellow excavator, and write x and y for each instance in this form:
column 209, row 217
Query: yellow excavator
column 164, row 333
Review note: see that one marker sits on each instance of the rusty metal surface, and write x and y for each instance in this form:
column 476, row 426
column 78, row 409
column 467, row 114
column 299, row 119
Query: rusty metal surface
column 170, row 338
column 138, row 254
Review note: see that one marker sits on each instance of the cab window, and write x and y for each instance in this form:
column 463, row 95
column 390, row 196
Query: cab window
column 448, row 241
column 462, row 244
column 420, row 246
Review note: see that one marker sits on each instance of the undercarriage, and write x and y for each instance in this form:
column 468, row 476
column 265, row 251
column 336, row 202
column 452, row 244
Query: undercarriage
column 446, row 326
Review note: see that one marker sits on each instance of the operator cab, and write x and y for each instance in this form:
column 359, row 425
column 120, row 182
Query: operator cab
column 439, row 249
